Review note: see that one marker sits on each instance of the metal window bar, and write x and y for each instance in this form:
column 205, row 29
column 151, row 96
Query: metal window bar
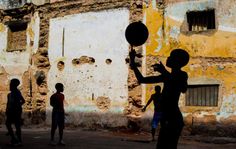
column 201, row 20
column 202, row 95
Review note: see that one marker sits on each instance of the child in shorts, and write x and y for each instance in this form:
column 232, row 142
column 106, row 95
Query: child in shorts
column 58, row 113
column 156, row 97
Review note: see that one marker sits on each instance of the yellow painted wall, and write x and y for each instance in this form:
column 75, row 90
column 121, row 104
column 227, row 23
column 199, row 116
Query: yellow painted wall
column 213, row 54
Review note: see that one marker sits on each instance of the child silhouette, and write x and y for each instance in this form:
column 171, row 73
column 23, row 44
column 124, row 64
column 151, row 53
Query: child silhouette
column 13, row 112
column 58, row 113
column 156, row 97
column 175, row 83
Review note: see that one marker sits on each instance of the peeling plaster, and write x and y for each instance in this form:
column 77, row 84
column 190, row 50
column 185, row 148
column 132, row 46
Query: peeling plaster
column 177, row 12
column 212, row 57
column 228, row 107
column 174, row 32
column 16, row 63
column 85, row 83
column 36, row 29
column 154, row 4
column 212, row 53
column 159, row 40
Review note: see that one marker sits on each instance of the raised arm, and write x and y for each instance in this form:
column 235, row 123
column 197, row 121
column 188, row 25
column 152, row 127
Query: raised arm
column 139, row 76
column 148, row 103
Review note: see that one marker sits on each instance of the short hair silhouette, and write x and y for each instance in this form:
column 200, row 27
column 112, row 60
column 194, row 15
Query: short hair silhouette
column 14, row 83
column 59, row 86
column 15, row 100
column 179, row 58
column 174, row 82
column 157, row 88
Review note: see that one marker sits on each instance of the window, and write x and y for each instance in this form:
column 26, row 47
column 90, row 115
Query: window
column 201, row 20
column 16, row 36
column 202, row 95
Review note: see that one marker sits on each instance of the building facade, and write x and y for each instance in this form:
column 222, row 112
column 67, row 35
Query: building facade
column 206, row 29
column 82, row 45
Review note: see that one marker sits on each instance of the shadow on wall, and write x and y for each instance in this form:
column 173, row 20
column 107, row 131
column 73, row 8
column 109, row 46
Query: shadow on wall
column 29, row 118
column 211, row 128
column 112, row 121
column 89, row 120
column 92, row 120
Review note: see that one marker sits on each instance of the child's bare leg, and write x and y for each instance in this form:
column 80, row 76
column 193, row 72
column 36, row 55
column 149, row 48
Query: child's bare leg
column 53, row 129
column 60, row 133
column 10, row 131
column 18, row 131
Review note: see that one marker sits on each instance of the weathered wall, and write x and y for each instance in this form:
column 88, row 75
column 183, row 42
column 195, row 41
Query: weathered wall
column 17, row 64
column 12, row 4
column 90, row 54
column 78, row 114
column 84, row 43
column 92, row 100
column 53, row 1
column 212, row 53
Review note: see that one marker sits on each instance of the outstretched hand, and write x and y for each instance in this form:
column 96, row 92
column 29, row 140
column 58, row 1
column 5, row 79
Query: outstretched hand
column 159, row 67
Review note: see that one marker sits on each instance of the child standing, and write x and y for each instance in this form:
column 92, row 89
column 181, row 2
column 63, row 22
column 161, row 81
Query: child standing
column 13, row 112
column 156, row 97
column 174, row 82
column 58, row 113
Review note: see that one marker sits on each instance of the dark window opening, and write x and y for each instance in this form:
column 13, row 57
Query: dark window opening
column 202, row 95
column 17, row 38
column 201, row 20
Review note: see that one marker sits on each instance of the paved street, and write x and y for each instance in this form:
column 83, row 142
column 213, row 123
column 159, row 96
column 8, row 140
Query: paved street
column 38, row 138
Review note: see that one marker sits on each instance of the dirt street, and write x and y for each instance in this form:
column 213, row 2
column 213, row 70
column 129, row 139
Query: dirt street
column 38, row 138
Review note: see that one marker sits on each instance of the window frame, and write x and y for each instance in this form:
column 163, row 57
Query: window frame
column 207, row 101
column 202, row 11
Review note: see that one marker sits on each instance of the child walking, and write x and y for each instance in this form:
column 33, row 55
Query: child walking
column 156, row 97
column 58, row 113
column 13, row 112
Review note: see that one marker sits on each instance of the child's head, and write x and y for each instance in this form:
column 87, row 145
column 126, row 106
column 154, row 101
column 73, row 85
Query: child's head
column 177, row 59
column 59, row 87
column 157, row 89
column 14, row 83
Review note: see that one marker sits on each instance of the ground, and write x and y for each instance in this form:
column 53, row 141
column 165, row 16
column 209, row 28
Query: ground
column 79, row 138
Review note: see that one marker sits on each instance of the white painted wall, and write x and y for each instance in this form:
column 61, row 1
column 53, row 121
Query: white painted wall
column 35, row 25
column 95, row 34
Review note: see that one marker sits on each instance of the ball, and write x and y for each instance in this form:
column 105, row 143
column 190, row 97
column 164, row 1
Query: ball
column 136, row 33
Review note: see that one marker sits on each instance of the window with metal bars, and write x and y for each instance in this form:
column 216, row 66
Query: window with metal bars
column 201, row 20
column 202, row 95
